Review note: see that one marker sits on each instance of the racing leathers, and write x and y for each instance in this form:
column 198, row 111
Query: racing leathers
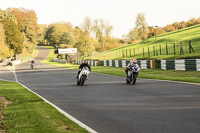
column 82, row 66
column 136, row 67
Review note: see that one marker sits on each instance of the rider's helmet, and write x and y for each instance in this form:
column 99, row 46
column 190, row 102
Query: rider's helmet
column 85, row 62
column 134, row 61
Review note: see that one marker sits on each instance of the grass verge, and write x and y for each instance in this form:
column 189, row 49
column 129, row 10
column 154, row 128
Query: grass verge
column 30, row 114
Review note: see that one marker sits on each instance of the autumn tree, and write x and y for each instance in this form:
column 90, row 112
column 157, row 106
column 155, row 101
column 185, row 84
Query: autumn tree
column 27, row 24
column 169, row 28
column 4, row 49
column 132, row 36
column 87, row 41
column 141, row 26
column 13, row 37
column 102, row 31
column 55, row 31
column 66, row 38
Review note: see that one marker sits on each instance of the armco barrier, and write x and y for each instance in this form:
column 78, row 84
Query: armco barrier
column 144, row 64
column 183, row 64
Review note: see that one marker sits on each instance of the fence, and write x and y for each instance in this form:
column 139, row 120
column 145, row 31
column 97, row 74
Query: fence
column 185, row 64
column 144, row 64
column 170, row 48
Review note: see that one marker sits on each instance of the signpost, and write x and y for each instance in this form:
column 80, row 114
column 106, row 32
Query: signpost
column 67, row 51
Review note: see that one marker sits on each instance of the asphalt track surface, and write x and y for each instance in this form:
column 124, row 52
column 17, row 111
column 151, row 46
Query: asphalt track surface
column 108, row 105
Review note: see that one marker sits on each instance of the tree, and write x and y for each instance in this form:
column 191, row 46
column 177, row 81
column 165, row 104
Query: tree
column 14, row 37
column 182, row 25
column 66, row 38
column 4, row 49
column 102, row 30
column 55, row 31
column 141, row 26
column 169, row 28
column 132, row 35
column 175, row 25
column 86, row 39
column 27, row 23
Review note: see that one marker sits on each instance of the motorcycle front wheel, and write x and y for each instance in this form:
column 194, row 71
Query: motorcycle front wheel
column 78, row 82
column 83, row 78
column 127, row 81
column 134, row 78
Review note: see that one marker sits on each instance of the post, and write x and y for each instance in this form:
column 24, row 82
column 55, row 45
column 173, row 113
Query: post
column 130, row 52
column 134, row 52
column 138, row 51
column 143, row 51
column 181, row 49
column 123, row 53
column 160, row 50
column 156, row 51
column 190, row 47
column 126, row 52
column 153, row 50
column 174, row 49
column 148, row 52
column 166, row 49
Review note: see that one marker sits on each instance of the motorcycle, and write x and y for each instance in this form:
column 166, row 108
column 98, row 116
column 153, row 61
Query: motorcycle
column 83, row 76
column 32, row 65
column 132, row 75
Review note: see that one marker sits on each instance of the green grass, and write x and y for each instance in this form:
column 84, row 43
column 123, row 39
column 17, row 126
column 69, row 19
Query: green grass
column 173, row 75
column 191, row 33
column 30, row 114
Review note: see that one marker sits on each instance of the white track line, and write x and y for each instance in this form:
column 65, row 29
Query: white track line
column 150, row 79
column 62, row 111
column 56, row 107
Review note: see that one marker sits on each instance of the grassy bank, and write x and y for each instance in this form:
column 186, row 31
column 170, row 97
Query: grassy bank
column 148, row 46
column 30, row 114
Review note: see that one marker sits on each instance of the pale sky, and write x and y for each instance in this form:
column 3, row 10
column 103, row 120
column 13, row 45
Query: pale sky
column 120, row 13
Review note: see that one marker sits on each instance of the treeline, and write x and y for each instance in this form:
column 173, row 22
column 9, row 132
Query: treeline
column 19, row 31
column 90, row 37
column 142, row 31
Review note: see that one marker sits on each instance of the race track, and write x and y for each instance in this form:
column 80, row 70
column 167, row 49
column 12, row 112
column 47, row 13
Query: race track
column 108, row 105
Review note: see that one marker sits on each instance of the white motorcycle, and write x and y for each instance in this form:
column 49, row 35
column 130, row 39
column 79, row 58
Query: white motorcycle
column 132, row 75
column 83, row 76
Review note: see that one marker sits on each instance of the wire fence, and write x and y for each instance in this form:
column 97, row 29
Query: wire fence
column 176, row 48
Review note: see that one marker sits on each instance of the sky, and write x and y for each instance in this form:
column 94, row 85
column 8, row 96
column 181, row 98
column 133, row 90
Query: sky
column 119, row 13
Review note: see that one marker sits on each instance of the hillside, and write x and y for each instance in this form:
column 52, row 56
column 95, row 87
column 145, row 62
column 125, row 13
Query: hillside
column 147, row 49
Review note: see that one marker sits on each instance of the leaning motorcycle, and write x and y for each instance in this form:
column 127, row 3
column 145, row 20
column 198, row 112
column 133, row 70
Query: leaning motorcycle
column 83, row 76
column 132, row 75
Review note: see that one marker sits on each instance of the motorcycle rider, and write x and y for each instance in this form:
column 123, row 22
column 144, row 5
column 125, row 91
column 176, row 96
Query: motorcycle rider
column 134, row 64
column 32, row 62
column 84, row 64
